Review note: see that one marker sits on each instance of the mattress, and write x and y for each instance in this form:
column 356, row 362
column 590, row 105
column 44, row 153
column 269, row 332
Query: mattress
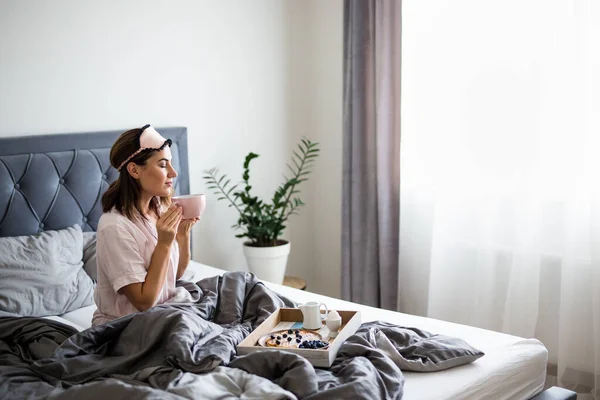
column 513, row 368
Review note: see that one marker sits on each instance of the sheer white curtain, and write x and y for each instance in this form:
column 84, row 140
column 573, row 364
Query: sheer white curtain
column 500, row 185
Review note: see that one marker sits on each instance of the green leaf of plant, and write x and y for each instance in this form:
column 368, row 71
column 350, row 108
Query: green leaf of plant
column 292, row 169
column 263, row 223
column 299, row 157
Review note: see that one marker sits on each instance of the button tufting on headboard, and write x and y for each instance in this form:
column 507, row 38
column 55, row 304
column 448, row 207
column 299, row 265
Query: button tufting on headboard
column 54, row 181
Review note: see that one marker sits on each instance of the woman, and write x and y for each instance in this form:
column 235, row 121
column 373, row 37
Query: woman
column 143, row 245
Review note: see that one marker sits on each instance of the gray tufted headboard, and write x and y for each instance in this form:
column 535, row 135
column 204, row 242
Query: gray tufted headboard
column 51, row 182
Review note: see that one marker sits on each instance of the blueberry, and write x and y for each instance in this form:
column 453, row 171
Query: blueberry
column 298, row 340
column 277, row 342
column 289, row 339
column 296, row 331
column 272, row 336
column 278, row 337
column 290, row 331
column 284, row 335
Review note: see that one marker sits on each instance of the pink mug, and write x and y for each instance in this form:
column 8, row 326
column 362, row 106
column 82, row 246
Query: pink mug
column 193, row 205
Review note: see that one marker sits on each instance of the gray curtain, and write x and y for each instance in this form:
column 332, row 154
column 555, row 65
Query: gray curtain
column 371, row 161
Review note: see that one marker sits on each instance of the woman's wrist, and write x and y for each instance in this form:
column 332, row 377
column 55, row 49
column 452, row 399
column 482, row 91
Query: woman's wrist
column 183, row 238
column 163, row 246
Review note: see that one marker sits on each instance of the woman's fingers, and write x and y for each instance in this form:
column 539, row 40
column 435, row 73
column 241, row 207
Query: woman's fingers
column 186, row 223
column 175, row 219
column 172, row 208
column 186, row 226
column 167, row 224
column 173, row 216
column 170, row 211
column 175, row 223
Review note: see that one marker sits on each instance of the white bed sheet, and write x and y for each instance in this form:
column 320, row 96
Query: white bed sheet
column 513, row 368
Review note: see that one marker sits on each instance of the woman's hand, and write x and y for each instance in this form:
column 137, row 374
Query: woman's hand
column 168, row 224
column 185, row 227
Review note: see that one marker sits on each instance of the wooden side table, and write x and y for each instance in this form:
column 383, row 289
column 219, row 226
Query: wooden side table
column 295, row 282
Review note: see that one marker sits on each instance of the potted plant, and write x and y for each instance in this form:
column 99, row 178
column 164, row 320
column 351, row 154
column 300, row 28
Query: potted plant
column 261, row 222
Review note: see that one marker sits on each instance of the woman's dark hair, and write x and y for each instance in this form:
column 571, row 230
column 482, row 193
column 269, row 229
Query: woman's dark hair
column 124, row 193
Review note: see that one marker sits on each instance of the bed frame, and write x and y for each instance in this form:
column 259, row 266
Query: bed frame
column 51, row 182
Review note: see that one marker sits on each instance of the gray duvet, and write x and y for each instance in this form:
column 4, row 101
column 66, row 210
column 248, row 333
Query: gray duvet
column 186, row 351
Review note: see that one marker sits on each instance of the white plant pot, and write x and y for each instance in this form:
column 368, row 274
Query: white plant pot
column 268, row 263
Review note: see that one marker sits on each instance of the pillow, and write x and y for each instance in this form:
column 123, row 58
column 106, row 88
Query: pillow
column 89, row 255
column 43, row 274
column 413, row 349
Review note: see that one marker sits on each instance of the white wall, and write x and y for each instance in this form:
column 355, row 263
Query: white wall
column 242, row 76
column 316, row 30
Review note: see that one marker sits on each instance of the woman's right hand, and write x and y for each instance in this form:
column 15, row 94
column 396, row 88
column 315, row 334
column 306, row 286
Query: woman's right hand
column 167, row 225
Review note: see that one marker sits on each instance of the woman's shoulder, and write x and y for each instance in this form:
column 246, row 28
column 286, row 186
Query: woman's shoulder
column 114, row 221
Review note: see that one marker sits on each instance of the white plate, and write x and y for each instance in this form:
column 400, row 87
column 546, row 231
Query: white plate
column 263, row 340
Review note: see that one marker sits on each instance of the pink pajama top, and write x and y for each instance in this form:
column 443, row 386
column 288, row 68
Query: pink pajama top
column 124, row 249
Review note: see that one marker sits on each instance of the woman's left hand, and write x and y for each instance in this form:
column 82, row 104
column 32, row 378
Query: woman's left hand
column 185, row 227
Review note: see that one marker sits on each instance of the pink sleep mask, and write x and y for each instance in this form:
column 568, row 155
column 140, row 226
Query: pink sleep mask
column 150, row 139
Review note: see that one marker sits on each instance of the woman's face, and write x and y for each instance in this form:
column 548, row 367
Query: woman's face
column 156, row 177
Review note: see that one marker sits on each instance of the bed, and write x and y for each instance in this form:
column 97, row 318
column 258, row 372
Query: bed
column 52, row 182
